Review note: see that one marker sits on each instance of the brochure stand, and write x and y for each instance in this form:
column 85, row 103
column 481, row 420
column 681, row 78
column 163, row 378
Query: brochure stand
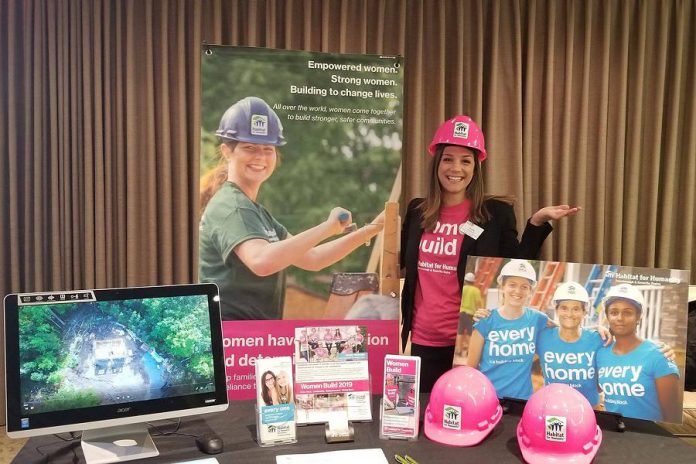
column 400, row 405
column 274, row 434
column 276, row 417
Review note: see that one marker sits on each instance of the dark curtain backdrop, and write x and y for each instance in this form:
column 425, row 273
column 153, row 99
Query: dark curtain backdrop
column 587, row 102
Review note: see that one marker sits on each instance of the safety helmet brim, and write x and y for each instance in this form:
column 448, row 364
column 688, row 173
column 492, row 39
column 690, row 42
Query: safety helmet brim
column 636, row 304
column 458, row 437
column 481, row 155
column 534, row 456
column 226, row 136
column 518, row 268
column 626, row 292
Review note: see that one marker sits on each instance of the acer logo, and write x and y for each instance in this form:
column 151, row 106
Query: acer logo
column 122, row 410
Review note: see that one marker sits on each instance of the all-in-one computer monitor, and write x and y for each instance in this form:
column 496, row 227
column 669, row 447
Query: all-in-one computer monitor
column 107, row 361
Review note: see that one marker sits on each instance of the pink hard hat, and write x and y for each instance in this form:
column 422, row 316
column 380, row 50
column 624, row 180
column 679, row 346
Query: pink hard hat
column 463, row 408
column 462, row 131
column 558, row 425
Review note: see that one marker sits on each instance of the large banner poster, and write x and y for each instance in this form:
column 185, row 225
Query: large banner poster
column 543, row 326
column 286, row 138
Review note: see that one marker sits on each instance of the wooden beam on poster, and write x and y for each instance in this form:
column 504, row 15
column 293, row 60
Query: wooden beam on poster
column 389, row 261
column 376, row 254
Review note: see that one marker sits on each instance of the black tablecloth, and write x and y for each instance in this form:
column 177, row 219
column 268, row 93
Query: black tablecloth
column 642, row 442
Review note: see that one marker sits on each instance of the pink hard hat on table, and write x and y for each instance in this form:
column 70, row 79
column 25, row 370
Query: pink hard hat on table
column 460, row 130
column 558, row 426
column 463, row 408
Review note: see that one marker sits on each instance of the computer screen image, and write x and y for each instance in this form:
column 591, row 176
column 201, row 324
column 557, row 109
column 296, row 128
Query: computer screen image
column 92, row 359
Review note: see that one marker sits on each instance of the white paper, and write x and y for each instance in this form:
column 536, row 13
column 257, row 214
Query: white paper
column 363, row 456
column 338, row 422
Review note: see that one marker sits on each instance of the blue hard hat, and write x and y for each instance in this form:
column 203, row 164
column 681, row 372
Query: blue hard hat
column 251, row 120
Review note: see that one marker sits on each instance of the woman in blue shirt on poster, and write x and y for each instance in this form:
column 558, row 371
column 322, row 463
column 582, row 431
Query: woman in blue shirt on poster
column 635, row 377
column 502, row 346
column 567, row 353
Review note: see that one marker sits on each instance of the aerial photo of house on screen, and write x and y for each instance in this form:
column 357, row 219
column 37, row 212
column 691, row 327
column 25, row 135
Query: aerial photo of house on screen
column 96, row 353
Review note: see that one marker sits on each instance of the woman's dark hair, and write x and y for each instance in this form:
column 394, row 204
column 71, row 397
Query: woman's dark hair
column 265, row 394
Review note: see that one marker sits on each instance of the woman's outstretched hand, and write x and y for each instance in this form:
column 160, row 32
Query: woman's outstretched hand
column 338, row 219
column 552, row 213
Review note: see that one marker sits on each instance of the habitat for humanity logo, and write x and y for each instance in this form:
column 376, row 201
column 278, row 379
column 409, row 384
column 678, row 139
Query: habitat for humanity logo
column 259, row 124
column 279, row 428
column 556, row 428
column 461, row 129
column 452, row 417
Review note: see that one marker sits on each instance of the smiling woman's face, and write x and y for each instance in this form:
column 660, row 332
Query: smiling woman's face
column 455, row 171
column 570, row 314
column 516, row 290
column 250, row 164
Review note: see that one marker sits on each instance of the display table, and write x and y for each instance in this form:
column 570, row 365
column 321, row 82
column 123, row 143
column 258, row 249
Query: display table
column 642, row 442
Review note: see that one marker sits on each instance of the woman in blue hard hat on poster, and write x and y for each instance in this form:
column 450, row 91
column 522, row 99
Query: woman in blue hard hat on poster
column 243, row 248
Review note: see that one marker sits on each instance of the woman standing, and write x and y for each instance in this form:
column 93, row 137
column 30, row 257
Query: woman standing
column 456, row 219
column 471, row 301
column 636, row 378
column 568, row 353
column 502, row 346
column 243, row 248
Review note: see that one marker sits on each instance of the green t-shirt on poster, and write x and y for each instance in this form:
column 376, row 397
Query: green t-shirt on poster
column 229, row 219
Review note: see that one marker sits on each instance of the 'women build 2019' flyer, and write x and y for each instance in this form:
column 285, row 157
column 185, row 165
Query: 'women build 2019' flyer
column 332, row 373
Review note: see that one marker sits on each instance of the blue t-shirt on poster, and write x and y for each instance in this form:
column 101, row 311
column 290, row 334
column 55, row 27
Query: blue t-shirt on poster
column 628, row 380
column 508, row 351
column 571, row 363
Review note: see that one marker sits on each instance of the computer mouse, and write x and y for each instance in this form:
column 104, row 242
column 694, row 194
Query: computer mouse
column 210, row 443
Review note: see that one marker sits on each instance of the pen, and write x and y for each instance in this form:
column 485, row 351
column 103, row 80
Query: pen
column 400, row 459
column 409, row 459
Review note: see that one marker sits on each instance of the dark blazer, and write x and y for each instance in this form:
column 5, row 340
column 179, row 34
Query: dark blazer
column 498, row 239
